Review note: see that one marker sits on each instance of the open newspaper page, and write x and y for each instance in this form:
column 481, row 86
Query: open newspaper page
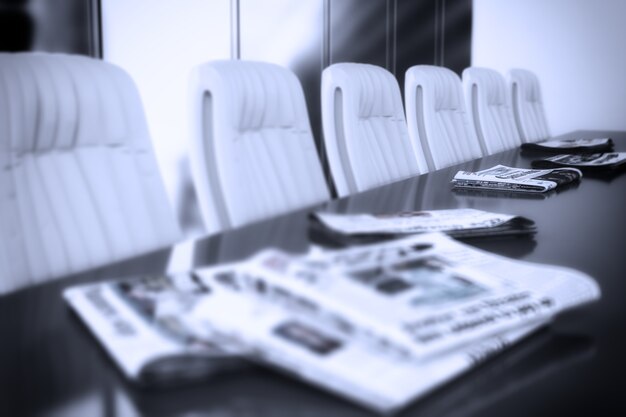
column 287, row 335
column 454, row 222
column 421, row 295
column 141, row 324
column 596, row 161
column 379, row 335
column 210, row 307
column 506, row 178
column 572, row 145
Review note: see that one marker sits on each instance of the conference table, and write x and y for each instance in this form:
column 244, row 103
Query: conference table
column 51, row 365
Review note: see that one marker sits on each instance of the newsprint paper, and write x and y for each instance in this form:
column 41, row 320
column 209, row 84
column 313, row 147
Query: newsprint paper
column 596, row 161
column 379, row 324
column 506, row 178
column 572, row 145
column 463, row 222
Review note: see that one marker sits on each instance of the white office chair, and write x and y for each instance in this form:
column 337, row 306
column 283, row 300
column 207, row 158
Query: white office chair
column 253, row 154
column 80, row 185
column 365, row 133
column 436, row 116
column 490, row 108
column 528, row 110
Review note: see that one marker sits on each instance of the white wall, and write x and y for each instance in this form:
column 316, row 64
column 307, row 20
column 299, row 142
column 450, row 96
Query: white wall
column 158, row 42
column 576, row 47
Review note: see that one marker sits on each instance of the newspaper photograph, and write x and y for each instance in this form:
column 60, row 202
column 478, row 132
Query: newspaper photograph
column 142, row 323
column 453, row 222
column 506, row 178
column 600, row 161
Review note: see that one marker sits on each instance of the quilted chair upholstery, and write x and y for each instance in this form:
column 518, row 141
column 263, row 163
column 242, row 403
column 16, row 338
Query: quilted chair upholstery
column 528, row 111
column 487, row 98
column 436, row 116
column 365, row 132
column 79, row 184
column 253, row 154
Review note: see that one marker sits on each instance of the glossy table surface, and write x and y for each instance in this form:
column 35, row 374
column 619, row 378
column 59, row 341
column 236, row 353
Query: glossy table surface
column 50, row 365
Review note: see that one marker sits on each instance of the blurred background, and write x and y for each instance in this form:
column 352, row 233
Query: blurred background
column 574, row 46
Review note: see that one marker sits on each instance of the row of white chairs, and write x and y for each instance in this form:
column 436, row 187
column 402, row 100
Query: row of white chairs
column 253, row 141
column 361, row 100
column 79, row 185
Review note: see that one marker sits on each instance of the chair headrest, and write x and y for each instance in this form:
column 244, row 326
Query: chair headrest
column 260, row 94
column 442, row 84
column 64, row 101
column 528, row 84
column 374, row 89
column 490, row 84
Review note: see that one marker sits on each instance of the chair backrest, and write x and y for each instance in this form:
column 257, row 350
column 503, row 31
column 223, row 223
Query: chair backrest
column 365, row 132
column 528, row 110
column 490, row 109
column 436, row 116
column 253, row 154
column 79, row 184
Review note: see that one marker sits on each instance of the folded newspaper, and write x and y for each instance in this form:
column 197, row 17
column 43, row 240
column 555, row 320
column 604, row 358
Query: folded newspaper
column 572, row 145
column 379, row 324
column 459, row 223
column 591, row 162
column 506, row 178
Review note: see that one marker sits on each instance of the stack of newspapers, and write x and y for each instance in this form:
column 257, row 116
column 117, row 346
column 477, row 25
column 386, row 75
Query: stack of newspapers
column 571, row 145
column 378, row 324
column 503, row 178
column 611, row 161
column 459, row 223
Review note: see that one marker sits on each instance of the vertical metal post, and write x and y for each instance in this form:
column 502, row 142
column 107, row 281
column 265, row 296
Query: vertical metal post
column 443, row 31
column 436, row 57
column 326, row 61
column 440, row 30
column 388, row 35
column 442, row 38
column 235, row 42
column 94, row 9
column 394, row 42
column 326, row 34
column 391, row 35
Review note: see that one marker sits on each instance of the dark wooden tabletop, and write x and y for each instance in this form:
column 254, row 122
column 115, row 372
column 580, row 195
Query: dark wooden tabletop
column 50, row 365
